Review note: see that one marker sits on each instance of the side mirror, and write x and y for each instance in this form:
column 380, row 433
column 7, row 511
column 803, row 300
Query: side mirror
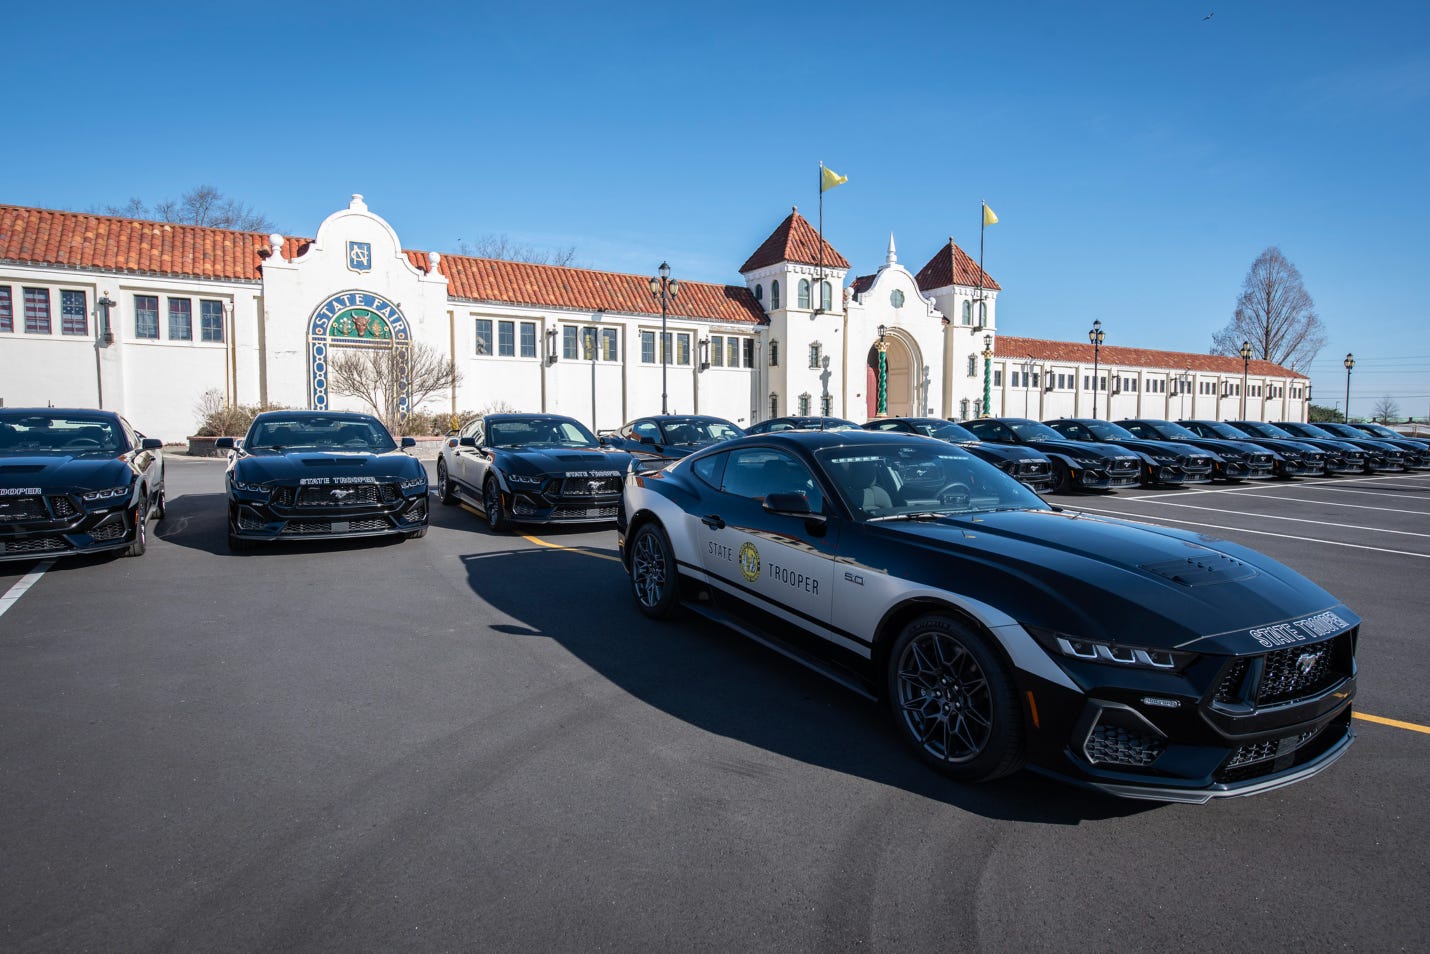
column 151, row 443
column 224, row 443
column 467, row 441
column 790, row 505
column 409, row 442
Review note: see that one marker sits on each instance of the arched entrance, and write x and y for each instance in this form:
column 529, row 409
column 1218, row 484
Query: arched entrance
column 900, row 380
column 361, row 321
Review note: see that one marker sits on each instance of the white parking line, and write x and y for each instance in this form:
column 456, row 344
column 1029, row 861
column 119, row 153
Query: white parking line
column 1370, row 493
column 13, row 594
column 1319, row 523
column 1302, row 500
column 1262, row 533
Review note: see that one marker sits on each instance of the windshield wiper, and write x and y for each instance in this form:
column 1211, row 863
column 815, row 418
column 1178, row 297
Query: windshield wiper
column 914, row 515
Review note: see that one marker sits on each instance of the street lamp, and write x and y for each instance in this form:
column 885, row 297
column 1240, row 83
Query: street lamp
column 881, row 403
column 1027, row 381
column 987, row 374
column 1349, row 363
column 589, row 341
column 1245, row 373
column 664, row 288
column 1096, row 335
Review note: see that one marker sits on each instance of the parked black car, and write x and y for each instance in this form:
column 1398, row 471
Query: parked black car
column 76, row 481
column 1381, row 454
column 1164, row 464
column 1418, row 448
column 1028, row 466
column 1078, row 465
column 532, row 468
column 1235, row 460
column 800, row 423
column 661, row 438
column 316, row 475
column 1295, row 459
column 1341, row 457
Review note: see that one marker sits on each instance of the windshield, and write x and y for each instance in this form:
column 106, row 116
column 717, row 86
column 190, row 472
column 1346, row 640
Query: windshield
column 945, row 431
column 1311, row 430
column 1380, row 430
column 697, row 431
column 552, row 432
column 1033, row 431
column 74, row 434
column 1107, row 431
column 1173, row 432
column 1225, row 430
column 349, row 433
column 1337, row 430
column 889, row 481
column 1263, row 429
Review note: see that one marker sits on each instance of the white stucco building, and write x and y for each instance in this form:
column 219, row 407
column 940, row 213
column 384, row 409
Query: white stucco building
column 146, row 317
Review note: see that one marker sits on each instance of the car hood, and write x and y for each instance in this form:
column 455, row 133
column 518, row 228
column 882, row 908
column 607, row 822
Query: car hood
column 300, row 465
column 1086, row 450
column 1004, row 451
column 563, row 460
column 1165, row 448
column 60, row 471
column 1112, row 580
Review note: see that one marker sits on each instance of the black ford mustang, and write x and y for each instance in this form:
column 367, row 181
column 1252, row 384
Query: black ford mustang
column 75, row 481
column 1079, row 465
column 313, row 475
column 532, row 468
column 1142, row 661
column 661, row 438
column 1032, row 468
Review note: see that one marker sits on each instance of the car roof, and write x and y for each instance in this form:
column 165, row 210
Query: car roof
column 56, row 411
column 816, row 440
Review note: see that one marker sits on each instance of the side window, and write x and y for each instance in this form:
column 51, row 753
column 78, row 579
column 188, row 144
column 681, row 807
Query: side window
column 710, row 469
column 646, row 429
column 803, row 298
column 757, row 472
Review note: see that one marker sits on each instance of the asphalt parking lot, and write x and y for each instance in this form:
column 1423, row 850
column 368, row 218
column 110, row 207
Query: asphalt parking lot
column 474, row 741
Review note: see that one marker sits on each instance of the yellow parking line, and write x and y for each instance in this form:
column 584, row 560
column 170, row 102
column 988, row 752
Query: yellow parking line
column 1396, row 723
column 556, row 546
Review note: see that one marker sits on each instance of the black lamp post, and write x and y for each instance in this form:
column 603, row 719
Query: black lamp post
column 1349, row 363
column 664, row 288
column 1095, row 336
column 1245, row 374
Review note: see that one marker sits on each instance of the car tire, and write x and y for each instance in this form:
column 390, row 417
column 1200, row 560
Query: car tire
column 140, row 543
column 446, row 490
column 158, row 508
column 1064, row 481
column 953, row 701
column 491, row 504
column 655, row 583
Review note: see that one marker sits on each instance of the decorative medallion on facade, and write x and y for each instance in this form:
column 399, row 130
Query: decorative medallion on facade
column 360, row 320
column 360, row 256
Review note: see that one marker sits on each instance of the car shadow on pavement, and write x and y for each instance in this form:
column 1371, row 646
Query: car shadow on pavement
column 724, row 684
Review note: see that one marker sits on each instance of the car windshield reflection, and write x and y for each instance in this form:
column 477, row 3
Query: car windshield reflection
column 536, row 432
column 904, row 482
column 347, row 434
column 76, row 435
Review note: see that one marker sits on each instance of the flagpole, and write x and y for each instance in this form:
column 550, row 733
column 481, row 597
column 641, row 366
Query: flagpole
column 819, row 285
column 982, row 224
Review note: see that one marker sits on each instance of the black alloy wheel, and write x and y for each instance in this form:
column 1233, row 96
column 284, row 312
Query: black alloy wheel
column 446, row 490
column 140, row 543
column 953, row 701
column 491, row 503
column 157, row 511
column 653, row 577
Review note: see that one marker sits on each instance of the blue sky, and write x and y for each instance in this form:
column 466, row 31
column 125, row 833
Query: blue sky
column 1139, row 157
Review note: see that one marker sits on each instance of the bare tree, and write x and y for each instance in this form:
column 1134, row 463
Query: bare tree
column 1385, row 409
column 201, row 205
column 502, row 247
column 1275, row 313
column 375, row 376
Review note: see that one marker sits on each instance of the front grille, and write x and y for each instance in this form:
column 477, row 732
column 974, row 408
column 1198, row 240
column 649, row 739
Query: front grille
column 13, row 509
column 355, row 495
column 312, row 527
column 1268, row 749
column 1230, row 688
column 1256, row 759
column 590, row 486
column 62, row 507
column 46, row 544
column 584, row 513
column 1124, row 467
column 1115, row 745
column 1033, row 468
column 110, row 531
column 1197, row 466
column 1285, row 675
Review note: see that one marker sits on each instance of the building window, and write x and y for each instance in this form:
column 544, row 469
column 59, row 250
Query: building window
column 732, row 352
column 803, row 293
column 749, row 346
column 484, row 336
column 181, row 319
column 973, row 366
column 74, row 313
column 775, row 294
column 774, row 354
column 7, row 309
column 146, row 316
column 528, row 339
column 804, row 403
column 982, row 313
column 774, row 405
column 814, row 354
column 826, row 405
column 968, row 313
column 682, row 349
column 37, row 311
column 570, row 342
column 826, row 296
column 998, row 379
column 647, row 347
column 609, row 344
column 717, row 351
column 588, row 344
column 506, row 339
column 211, row 321
column 759, row 293
column 666, row 343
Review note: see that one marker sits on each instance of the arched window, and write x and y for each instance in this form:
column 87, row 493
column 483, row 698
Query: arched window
column 968, row 313
column 759, row 293
column 826, row 296
column 774, row 354
column 973, row 366
column 803, row 293
column 982, row 313
column 775, row 294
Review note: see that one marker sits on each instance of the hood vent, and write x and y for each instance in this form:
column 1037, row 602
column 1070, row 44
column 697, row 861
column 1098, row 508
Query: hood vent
column 1203, row 570
column 330, row 462
column 579, row 458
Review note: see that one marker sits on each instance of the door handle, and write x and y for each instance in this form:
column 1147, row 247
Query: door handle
column 713, row 521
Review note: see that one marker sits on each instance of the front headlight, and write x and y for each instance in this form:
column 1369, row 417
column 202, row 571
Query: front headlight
column 524, row 480
column 251, row 488
column 414, row 483
column 108, row 493
column 1117, row 654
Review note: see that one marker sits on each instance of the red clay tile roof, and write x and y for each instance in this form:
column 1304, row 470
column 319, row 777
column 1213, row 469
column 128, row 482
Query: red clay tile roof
column 951, row 265
column 1078, row 352
column 794, row 240
column 82, row 240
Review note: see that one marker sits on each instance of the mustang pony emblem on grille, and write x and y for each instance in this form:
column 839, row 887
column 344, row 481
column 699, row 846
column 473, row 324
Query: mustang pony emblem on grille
column 1307, row 662
column 594, row 486
column 341, row 494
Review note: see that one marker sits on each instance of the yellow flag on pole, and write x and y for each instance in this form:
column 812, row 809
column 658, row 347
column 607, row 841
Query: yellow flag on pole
column 828, row 179
column 988, row 217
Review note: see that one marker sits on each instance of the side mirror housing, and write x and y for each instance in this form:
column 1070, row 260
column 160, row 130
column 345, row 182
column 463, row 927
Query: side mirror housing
column 790, row 505
column 467, row 441
column 224, row 443
column 151, row 443
column 409, row 442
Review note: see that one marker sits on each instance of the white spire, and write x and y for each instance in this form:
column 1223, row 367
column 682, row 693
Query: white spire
column 892, row 257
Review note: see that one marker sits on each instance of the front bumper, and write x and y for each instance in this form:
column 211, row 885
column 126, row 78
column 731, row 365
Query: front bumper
column 57, row 525
column 284, row 515
column 565, row 499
